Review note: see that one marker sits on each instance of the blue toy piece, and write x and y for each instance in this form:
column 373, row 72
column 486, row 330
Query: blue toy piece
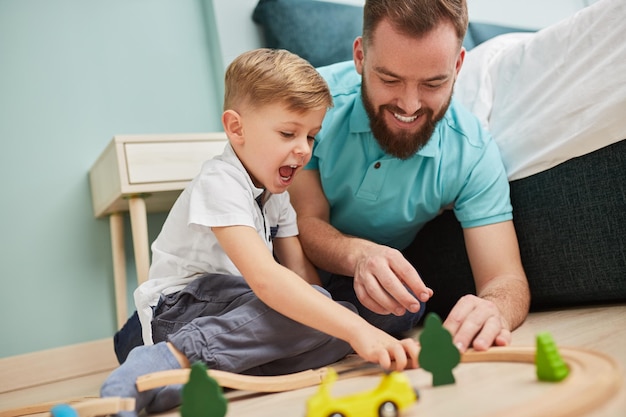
column 63, row 410
column 549, row 364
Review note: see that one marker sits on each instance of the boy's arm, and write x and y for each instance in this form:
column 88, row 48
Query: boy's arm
column 289, row 253
column 284, row 291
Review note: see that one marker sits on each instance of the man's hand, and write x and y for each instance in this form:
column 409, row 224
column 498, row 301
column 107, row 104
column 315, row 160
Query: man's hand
column 478, row 323
column 503, row 297
column 386, row 283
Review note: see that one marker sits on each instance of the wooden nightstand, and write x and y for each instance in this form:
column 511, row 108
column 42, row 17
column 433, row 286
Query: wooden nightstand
column 140, row 174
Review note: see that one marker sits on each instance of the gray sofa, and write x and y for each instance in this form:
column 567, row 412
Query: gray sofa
column 570, row 219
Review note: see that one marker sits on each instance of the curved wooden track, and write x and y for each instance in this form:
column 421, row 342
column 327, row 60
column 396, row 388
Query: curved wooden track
column 593, row 379
column 236, row 381
column 85, row 407
column 104, row 406
column 353, row 364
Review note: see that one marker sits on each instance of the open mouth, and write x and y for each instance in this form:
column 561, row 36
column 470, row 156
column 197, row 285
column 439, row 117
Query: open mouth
column 405, row 119
column 286, row 172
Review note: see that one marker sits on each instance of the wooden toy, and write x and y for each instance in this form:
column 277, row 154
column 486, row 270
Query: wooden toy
column 593, row 379
column 236, row 381
column 393, row 393
column 95, row 407
column 104, row 406
column 202, row 396
column 550, row 366
column 438, row 355
column 83, row 407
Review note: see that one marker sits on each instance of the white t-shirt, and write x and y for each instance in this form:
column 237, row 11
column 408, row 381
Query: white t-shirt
column 550, row 96
column 221, row 195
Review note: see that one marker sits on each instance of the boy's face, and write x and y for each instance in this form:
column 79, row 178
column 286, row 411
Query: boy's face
column 276, row 143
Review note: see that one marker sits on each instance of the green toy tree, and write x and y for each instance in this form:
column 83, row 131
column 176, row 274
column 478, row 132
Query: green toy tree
column 438, row 354
column 202, row 395
column 550, row 366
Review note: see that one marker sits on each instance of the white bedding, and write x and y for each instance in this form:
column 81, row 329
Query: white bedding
column 552, row 95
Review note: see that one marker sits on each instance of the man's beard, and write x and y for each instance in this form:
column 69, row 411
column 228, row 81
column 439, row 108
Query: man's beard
column 404, row 144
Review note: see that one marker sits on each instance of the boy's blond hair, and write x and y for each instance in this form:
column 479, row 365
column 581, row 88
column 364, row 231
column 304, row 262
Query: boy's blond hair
column 267, row 76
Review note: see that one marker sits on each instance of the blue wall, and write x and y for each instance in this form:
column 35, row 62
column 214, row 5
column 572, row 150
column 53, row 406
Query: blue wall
column 73, row 73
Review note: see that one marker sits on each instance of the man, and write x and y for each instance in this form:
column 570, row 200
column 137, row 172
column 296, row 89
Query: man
column 396, row 150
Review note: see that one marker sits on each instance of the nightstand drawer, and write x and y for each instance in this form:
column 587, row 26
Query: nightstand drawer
column 152, row 162
column 155, row 166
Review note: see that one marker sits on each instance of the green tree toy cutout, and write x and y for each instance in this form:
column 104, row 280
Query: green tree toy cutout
column 550, row 365
column 202, row 395
column 438, row 354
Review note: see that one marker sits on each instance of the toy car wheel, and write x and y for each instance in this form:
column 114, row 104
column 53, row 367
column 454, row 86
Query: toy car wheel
column 336, row 415
column 388, row 409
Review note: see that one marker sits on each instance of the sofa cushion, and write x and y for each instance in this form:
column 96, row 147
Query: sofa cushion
column 571, row 226
column 320, row 32
column 478, row 33
column 323, row 32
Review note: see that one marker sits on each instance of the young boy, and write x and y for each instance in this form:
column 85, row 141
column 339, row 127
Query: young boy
column 229, row 283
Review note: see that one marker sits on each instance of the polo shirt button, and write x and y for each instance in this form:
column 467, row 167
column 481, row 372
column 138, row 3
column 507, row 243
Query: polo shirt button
column 377, row 165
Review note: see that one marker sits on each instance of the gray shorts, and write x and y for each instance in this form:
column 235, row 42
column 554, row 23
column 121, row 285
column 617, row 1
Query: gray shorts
column 219, row 320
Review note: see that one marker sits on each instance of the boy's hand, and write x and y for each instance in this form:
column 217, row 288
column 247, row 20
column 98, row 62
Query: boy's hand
column 376, row 346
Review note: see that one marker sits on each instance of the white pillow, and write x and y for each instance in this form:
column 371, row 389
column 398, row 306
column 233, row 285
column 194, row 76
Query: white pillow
column 552, row 95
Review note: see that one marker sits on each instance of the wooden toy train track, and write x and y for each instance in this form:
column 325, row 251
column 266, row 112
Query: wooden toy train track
column 84, row 407
column 593, row 379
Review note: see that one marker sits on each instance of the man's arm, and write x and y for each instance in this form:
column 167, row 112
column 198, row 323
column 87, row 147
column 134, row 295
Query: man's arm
column 325, row 246
column 503, row 296
column 380, row 272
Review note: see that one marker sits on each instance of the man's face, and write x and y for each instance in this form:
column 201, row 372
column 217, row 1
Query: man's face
column 407, row 84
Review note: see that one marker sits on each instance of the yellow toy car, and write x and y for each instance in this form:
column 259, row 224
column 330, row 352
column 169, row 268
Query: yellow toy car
column 393, row 393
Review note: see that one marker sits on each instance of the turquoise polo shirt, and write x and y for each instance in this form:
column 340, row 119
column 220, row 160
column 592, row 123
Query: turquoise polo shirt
column 388, row 200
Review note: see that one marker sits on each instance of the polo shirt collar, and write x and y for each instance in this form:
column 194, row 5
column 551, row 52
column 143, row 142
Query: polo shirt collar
column 230, row 157
column 360, row 123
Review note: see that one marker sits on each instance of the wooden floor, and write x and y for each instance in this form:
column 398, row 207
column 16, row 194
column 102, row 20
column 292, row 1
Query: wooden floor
column 87, row 386
column 481, row 389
